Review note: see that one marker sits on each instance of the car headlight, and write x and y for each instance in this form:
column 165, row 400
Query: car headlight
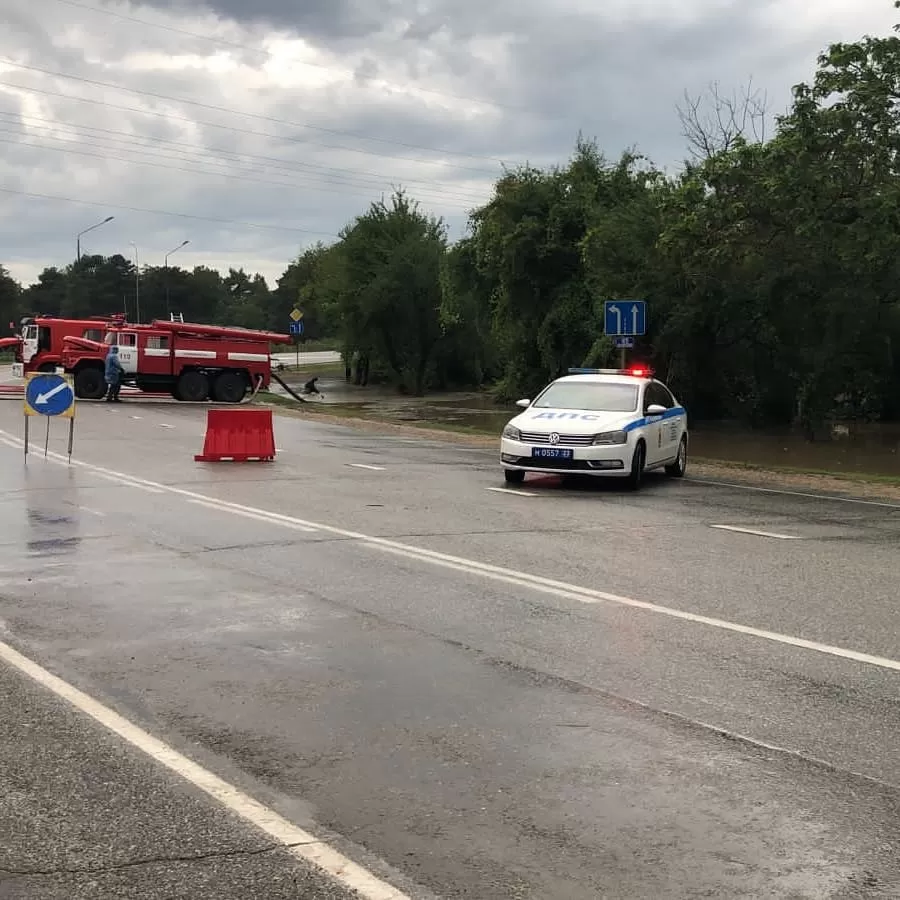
column 512, row 433
column 610, row 437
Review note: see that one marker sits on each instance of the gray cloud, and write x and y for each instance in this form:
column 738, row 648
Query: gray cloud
column 389, row 97
column 324, row 19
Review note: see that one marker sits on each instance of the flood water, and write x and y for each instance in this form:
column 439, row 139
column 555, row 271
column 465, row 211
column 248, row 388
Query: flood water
column 860, row 449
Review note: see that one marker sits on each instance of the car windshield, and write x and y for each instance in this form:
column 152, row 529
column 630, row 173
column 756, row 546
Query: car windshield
column 595, row 396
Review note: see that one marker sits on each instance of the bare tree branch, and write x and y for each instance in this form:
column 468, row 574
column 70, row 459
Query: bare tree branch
column 713, row 122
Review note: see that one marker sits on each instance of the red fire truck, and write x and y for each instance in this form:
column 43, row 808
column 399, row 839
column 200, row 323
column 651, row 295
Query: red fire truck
column 39, row 344
column 193, row 362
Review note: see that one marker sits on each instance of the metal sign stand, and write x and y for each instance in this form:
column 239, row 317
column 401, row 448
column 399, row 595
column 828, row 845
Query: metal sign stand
column 51, row 396
column 297, row 328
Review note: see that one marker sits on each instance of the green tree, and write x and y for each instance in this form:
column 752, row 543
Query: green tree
column 383, row 278
column 246, row 301
column 10, row 301
column 537, row 247
column 300, row 285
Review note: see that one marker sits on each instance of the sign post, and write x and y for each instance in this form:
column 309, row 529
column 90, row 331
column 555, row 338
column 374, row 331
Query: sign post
column 51, row 396
column 624, row 320
column 297, row 329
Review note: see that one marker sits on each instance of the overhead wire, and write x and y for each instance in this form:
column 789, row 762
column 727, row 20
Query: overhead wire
column 192, row 171
column 106, row 85
column 289, row 165
column 290, row 139
column 147, row 155
column 162, row 212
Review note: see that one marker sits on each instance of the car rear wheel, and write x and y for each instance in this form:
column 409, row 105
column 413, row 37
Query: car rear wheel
column 513, row 476
column 636, row 476
column 679, row 467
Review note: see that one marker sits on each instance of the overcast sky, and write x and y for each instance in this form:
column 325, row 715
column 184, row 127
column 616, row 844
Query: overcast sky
column 252, row 129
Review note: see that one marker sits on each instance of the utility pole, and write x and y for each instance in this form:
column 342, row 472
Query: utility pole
column 86, row 230
column 137, row 286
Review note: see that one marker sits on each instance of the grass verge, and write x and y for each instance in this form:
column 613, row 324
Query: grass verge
column 865, row 477
column 323, row 370
column 856, row 484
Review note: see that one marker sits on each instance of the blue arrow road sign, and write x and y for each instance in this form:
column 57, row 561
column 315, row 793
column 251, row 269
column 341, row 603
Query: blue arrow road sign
column 49, row 395
column 625, row 317
column 297, row 327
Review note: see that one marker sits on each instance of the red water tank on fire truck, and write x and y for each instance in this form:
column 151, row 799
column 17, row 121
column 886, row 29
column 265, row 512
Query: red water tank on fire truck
column 193, row 362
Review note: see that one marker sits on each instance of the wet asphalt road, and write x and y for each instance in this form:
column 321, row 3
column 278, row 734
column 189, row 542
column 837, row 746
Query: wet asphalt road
column 330, row 640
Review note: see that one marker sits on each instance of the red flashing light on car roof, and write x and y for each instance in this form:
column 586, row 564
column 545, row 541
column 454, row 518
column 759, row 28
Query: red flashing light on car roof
column 635, row 371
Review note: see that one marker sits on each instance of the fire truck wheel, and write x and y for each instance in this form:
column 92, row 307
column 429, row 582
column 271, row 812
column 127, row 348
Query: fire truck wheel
column 193, row 387
column 229, row 387
column 90, row 384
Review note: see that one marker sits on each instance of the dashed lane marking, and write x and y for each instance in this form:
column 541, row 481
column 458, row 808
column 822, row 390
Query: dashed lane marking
column 757, row 533
column 828, row 498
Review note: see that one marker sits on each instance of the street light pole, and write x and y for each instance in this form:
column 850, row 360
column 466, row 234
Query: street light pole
column 86, row 230
column 166, row 274
column 137, row 285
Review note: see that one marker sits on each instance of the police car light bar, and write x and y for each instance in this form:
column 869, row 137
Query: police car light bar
column 636, row 371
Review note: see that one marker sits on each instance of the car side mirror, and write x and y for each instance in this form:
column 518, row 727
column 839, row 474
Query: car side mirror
column 654, row 409
column 523, row 403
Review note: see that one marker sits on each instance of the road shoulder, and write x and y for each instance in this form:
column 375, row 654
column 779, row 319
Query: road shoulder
column 85, row 816
column 853, row 487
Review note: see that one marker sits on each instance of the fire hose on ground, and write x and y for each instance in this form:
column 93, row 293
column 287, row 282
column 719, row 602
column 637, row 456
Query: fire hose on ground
column 288, row 388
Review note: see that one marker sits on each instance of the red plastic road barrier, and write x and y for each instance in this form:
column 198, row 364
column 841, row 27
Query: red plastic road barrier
column 239, row 435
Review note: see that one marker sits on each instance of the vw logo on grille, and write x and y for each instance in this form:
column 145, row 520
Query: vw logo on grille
column 554, row 438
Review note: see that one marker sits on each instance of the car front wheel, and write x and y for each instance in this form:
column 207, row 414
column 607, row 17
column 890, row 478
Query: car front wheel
column 636, row 476
column 679, row 467
column 513, row 476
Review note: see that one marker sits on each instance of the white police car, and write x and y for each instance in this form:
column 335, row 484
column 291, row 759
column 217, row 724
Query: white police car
column 605, row 422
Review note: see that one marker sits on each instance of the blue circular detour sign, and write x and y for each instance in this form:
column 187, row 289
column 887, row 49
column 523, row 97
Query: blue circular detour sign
column 49, row 395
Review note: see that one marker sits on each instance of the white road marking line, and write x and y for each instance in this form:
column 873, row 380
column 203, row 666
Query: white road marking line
column 93, row 512
column 164, row 425
column 364, row 466
column 137, row 417
column 768, row 534
column 508, row 576
column 497, row 490
column 789, row 493
column 299, row 842
column 127, row 482
column 267, row 519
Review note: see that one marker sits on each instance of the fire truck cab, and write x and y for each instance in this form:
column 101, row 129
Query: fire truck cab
column 39, row 344
column 192, row 362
